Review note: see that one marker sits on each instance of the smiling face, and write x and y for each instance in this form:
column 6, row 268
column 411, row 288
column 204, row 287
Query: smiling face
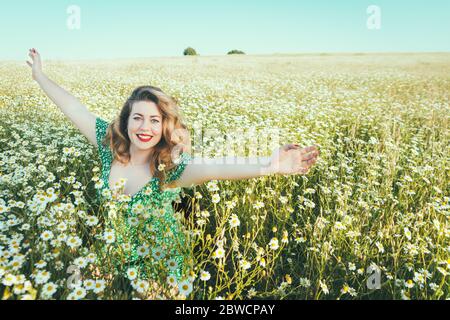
column 145, row 125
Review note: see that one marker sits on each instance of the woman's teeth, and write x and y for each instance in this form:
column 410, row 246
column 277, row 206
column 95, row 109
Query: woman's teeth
column 144, row 138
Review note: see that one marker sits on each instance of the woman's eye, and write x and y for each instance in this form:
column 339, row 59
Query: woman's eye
column 153, row 120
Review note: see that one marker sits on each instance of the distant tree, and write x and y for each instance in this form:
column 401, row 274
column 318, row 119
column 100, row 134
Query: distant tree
column 236, row 52
column 190, row 52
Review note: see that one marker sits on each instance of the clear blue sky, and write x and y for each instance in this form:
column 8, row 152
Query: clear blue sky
column 138, row 28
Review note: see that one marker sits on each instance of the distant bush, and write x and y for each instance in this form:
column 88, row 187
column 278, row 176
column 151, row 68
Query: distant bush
column 236, row 52
column 190, row 52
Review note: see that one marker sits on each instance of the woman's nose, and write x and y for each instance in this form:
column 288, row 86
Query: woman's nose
column 147, row 126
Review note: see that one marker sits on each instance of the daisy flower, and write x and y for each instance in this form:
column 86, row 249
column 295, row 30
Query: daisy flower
column 99, row 286
column 347, row 289
column 137, row 208
column 409, row 284
column 405, row 295
column 219, row 253
column 91, row 221
column 258, row 205
column 273, row 244
column 46, row 235
column 73, row 241
column 185, row 287
column 234, row 221
column 40, row 264
column 48, row 289
column 131, row 273
column 285, row 238
column 133, row 221
column 171, row 280
column 172, row 264
column 262, row 262
column 245, row 265
column 61, row 227
column 407, row 233
column 80, row 262
column 205, row 276
column 158, row 254
column 9, row 280
column 142, row 251
column 141, row 286
column 380, row 247
column 212, row 185
column 98, row 184
column 109, row 237
column 91, row 257
column 77, row 294
column 89, row 284
column 215, row 198
column 42, row 277
column 324, row 287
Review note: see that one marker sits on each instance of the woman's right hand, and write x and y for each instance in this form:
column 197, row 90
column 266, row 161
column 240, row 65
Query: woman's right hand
column 36, row 66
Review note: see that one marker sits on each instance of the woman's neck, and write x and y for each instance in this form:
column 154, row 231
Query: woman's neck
column 139, row 157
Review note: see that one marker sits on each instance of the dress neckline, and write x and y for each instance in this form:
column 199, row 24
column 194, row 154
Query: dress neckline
column 145, row 186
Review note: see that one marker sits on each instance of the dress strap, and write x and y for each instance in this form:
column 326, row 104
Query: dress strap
column 177, row 171
column 101, row 127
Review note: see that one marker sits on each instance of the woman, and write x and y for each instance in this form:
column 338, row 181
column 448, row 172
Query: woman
column 145, row 161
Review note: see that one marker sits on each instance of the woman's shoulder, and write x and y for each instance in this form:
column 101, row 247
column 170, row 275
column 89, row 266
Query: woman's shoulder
column 184, row 156
column 101, row 128
column 180, row 164
column 101, row 124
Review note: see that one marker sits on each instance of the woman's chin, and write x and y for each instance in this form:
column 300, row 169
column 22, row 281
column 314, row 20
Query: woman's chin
column 147, row 148
column 142, row 146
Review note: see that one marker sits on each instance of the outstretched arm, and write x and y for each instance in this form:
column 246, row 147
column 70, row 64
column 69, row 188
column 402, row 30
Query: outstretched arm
column 69, row 105
column 289, row 159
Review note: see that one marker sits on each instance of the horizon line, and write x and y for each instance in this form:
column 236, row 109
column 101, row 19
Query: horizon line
column 240, row 55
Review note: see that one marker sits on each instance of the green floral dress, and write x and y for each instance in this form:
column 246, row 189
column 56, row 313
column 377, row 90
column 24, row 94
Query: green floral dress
column 151, row 236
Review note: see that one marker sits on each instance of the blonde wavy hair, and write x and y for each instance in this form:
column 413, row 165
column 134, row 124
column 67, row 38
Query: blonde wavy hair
column 175, row 135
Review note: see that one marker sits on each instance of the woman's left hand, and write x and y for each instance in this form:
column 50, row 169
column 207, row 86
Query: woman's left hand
column 291, row 159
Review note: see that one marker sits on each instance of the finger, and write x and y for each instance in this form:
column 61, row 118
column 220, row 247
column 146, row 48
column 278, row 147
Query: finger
column 303, row 170
column 290, row 146
column 308, row 149
column 311, row 148
column 308, row 156
column 311, row 155
column 310, row 162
